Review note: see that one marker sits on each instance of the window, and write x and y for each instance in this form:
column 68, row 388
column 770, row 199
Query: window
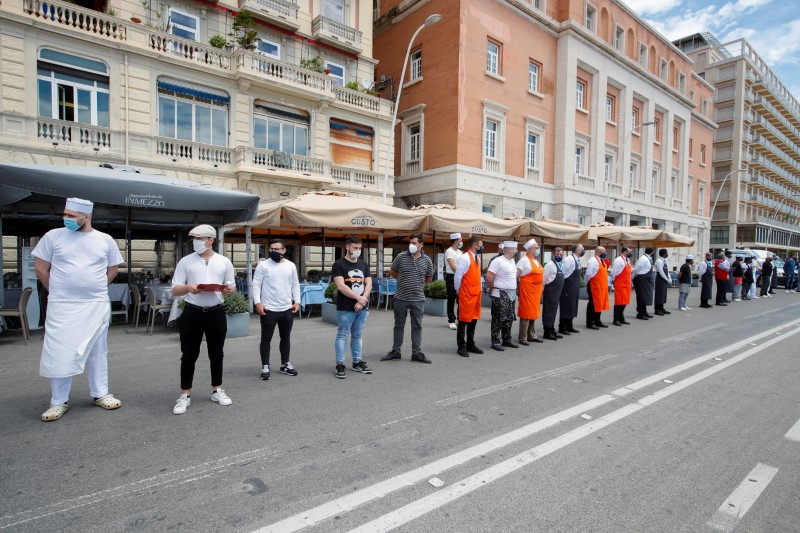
column 334, row 10
column 642, row 55
column 703, row 154
column 414, row 139
column 531, row 160
column 676, row 190
column 281, row 130
column 676, row 138
column 73, row 88
column 633, row 174
column 656, row 181
column 493, row 58
column 533, row 77
column 538, row 4
column 530, row 213
column 192, row 114
column 580, row 90
column 635, row 121
column 337, row 73
column 183, row 24
column 609, row 108
column 682, row 83
column 619, row 38
column 692, row 95
column 269, row 49
column 608, row 167
column 579, row 153
column 490, row 147
column 487, row 209
column 704, row 107
column 691, row 148
column 494, row 136
column 416, row 65
column 658, row 129
column 701, row 199
column 351, row 144
column 591, row 16
column 664, row 69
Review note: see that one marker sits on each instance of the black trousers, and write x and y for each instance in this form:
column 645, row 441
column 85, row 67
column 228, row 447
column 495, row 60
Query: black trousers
column 452, row 297
column 192, row 325
column 466, row 333
column 592, row 318
column 284, row 320
column 722, row 289
column 619, row 311
column 746, row 285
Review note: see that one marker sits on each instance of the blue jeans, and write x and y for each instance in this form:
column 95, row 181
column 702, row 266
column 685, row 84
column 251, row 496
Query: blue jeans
column 350, row 323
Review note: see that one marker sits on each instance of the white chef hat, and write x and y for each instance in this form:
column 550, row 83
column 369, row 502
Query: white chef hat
column 500, row 246
column 80, row 205
column 528, row 244
column 509, row 244
column 454, row 236
column 690, row 257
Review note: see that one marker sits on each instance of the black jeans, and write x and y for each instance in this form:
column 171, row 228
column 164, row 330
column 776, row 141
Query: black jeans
column 452, row 297
column 284, row 320
column 466, row 333
column 722, row 289
column 192, row 325
column 746, row 285
column 592, row 317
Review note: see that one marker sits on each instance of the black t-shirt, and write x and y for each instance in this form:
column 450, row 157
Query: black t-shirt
column 354, row 275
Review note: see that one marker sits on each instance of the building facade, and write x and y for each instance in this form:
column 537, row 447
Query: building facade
column 137, row 82
column 570, row 109
column 756, row 157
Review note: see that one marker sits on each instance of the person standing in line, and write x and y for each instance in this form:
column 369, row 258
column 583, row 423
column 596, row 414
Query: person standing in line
column 203, row 312
column 766, row 276
column 737, row 273
column 706, row 272
column 451, row 257
column 597, row 287
column 568, row 306
column 413, row 270
column 354, row 285
column 499, row 255
column 729, row 289
column 501, row 277
column 721, row 273
column 774, row 281
column 685, row 282
column 643, row 283
column 553, row 285
column 531, row 284
column 621, row 278
column 748, row 278
column 663, row 281
column 75, row 264
column 276, row 295
column 788, row 271
column 469, row 285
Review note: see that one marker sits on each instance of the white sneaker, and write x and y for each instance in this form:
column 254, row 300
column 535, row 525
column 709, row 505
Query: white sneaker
column 221, row 398
column 684, row 309
column 181, row 405
column 452, row 325
column 737, row 299
column 687, row 308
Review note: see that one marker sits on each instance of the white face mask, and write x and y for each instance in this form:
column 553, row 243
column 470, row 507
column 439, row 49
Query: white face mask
column 199, row 246
column 355, row 254
column 413, row 248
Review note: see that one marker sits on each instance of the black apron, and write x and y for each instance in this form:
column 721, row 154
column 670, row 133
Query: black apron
column 643, row 284
column 552, row 294
column 661, row 286
column 569, row 293
column 707, row 281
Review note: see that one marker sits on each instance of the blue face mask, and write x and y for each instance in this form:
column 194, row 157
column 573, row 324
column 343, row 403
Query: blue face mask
column 557, row 259
column 72, row 224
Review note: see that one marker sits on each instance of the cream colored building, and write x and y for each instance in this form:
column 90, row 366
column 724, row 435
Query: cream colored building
column 759, row 132
column 136, row 82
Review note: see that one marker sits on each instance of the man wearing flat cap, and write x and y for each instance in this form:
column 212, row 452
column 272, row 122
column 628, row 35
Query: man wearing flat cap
column 75, row 264
column 202, row 277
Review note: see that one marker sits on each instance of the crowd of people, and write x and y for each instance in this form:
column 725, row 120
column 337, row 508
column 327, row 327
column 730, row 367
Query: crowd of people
column 76, row 263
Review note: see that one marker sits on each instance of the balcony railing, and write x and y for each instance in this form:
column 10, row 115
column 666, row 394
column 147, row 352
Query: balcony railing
column 357, row 98
column 72, row 133
column 280, row 12
column 187, row 151
column 491, row 164
column 195, row 52
column 355, row 177
column 584, row 181
column 659, row 199
column 413, row 167
column 336, row 33
column 615, row 188
column 281, row 160
column 638, row 194
column 93, row 23
column 280, row 71
column 532, row 174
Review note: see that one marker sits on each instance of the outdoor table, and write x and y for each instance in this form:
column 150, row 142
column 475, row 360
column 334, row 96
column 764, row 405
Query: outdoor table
column 312, row 294
column 165, row 296
column 11, row 298
column 120, row 292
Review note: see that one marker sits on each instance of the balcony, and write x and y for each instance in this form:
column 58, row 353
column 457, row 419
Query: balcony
column 532, row 174
column 659, row 199
column 337, row 34
column 354, row 178
column 59, row 132
column 86, row 21
column 638, row 194
column 584, row 181
column 192, row 153
column 491, row 164
column 263, row 68
column 282, row 13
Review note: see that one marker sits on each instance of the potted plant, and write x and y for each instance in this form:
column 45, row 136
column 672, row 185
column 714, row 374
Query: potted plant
column 245, row 30
column 218, row 41
column 436, row 298
column 353, row 86
column 329, row 313
column 327, row 72
column 237, row 315
column 317, row 64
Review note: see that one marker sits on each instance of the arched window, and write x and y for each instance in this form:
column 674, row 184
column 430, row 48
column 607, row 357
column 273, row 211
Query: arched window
column 604, row 25
column 72, row 88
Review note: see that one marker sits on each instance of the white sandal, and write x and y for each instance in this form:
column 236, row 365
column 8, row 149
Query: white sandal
column 108, row 402
column 55, row 412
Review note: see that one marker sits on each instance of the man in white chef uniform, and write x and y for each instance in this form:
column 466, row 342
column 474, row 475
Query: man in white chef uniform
column 75, row 264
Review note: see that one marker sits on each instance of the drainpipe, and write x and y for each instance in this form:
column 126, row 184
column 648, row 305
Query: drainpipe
column 127, row 110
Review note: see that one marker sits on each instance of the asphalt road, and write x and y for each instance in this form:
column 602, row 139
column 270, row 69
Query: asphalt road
column 682, row 423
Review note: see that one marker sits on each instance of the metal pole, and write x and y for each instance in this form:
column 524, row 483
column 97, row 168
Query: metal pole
column 128, row 251
column 248, row 232
column 379, row 252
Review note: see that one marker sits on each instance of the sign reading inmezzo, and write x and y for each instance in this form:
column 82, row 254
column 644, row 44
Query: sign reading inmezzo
column 145, row 200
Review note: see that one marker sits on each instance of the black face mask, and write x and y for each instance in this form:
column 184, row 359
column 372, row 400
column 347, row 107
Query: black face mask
column 276, row 256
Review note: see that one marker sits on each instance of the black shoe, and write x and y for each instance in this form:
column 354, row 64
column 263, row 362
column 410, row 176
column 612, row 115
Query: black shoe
column 563, row 332
column 362, row 367
column 617, row 323
column 265, row 374
column 523, row 342
column 642, row 317
column 420, row 358
column 660, row 313
column 498, row 348
column 536, row 340
column 573, row 330
column 393, row 354
column 288, row 369
column 462, row 351
column 600, row 325
column 471, row 348
column 722, row 305
column 549, row 336
column 666, row 312
column 649, row 316
column 592, row 326
column 509, row 344
column 706, row 306
column 623, row 321
column 341, row 372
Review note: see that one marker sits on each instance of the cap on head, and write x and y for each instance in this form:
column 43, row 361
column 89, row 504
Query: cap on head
column 203, row 230
column 500, row 246
column 510, row 245
column 79, row 205
column 690, row 257
column 528, row 245
column 454, row 236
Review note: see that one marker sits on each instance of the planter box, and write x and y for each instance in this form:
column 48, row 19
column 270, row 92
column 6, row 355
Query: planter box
column 329, row 313
column 238, row 325
column 435, row 307
column 583, row 293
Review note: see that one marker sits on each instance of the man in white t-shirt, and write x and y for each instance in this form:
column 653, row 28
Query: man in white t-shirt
column 75, row 264
column 501, row 277
column 202, row 277
column 451, row 257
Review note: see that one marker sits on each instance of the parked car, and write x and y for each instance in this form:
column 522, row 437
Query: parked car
column 777, row 262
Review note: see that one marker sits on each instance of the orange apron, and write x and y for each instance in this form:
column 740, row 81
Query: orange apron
column 530, row 292
column 599, row 287
column 469, row 294
column 622, row 286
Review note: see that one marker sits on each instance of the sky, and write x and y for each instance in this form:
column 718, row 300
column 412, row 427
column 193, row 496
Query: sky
column 771, row 26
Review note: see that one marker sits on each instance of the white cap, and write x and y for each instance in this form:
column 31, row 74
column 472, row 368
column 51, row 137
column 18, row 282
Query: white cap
column 528, row 244
column 500, row 246
column 454, row 236
column 690, row 257
column 79, row 205
column 509, row 244
column 203, row 230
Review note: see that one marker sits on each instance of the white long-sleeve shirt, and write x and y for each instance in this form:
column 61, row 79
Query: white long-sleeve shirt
column 275, row 285
column 550, row 272
column 592, row 268
column 570, row 264
column 193, row 269
column 618, row 266
column 660, row 269
column 643, row 266
column 725, row 265
column 701, row 268
column 462, row 267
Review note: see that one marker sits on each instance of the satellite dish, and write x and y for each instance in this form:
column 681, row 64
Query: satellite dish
column 367, row 84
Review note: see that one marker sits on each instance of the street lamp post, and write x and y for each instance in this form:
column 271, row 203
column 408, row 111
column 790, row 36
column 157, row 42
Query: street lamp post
column 619, row 163
column 775, row 212
column 430, row 21
column 716, row 199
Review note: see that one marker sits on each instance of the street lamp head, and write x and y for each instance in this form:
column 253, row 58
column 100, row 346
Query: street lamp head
column 651, row 123
column 433, row 19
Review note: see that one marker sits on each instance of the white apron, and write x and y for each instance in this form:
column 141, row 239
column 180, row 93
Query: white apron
column 71, row 330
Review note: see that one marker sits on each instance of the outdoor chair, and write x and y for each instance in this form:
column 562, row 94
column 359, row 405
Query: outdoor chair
column 21, row 313
column 155, row 308
column 137, row 304
column 386, row 289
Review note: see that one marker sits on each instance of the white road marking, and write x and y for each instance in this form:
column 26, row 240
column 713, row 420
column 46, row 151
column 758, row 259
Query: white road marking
column 684, row 336
column 351, row 501
column 794, row 433
column 422, row 506
column 396, row 421
column 739, row 502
